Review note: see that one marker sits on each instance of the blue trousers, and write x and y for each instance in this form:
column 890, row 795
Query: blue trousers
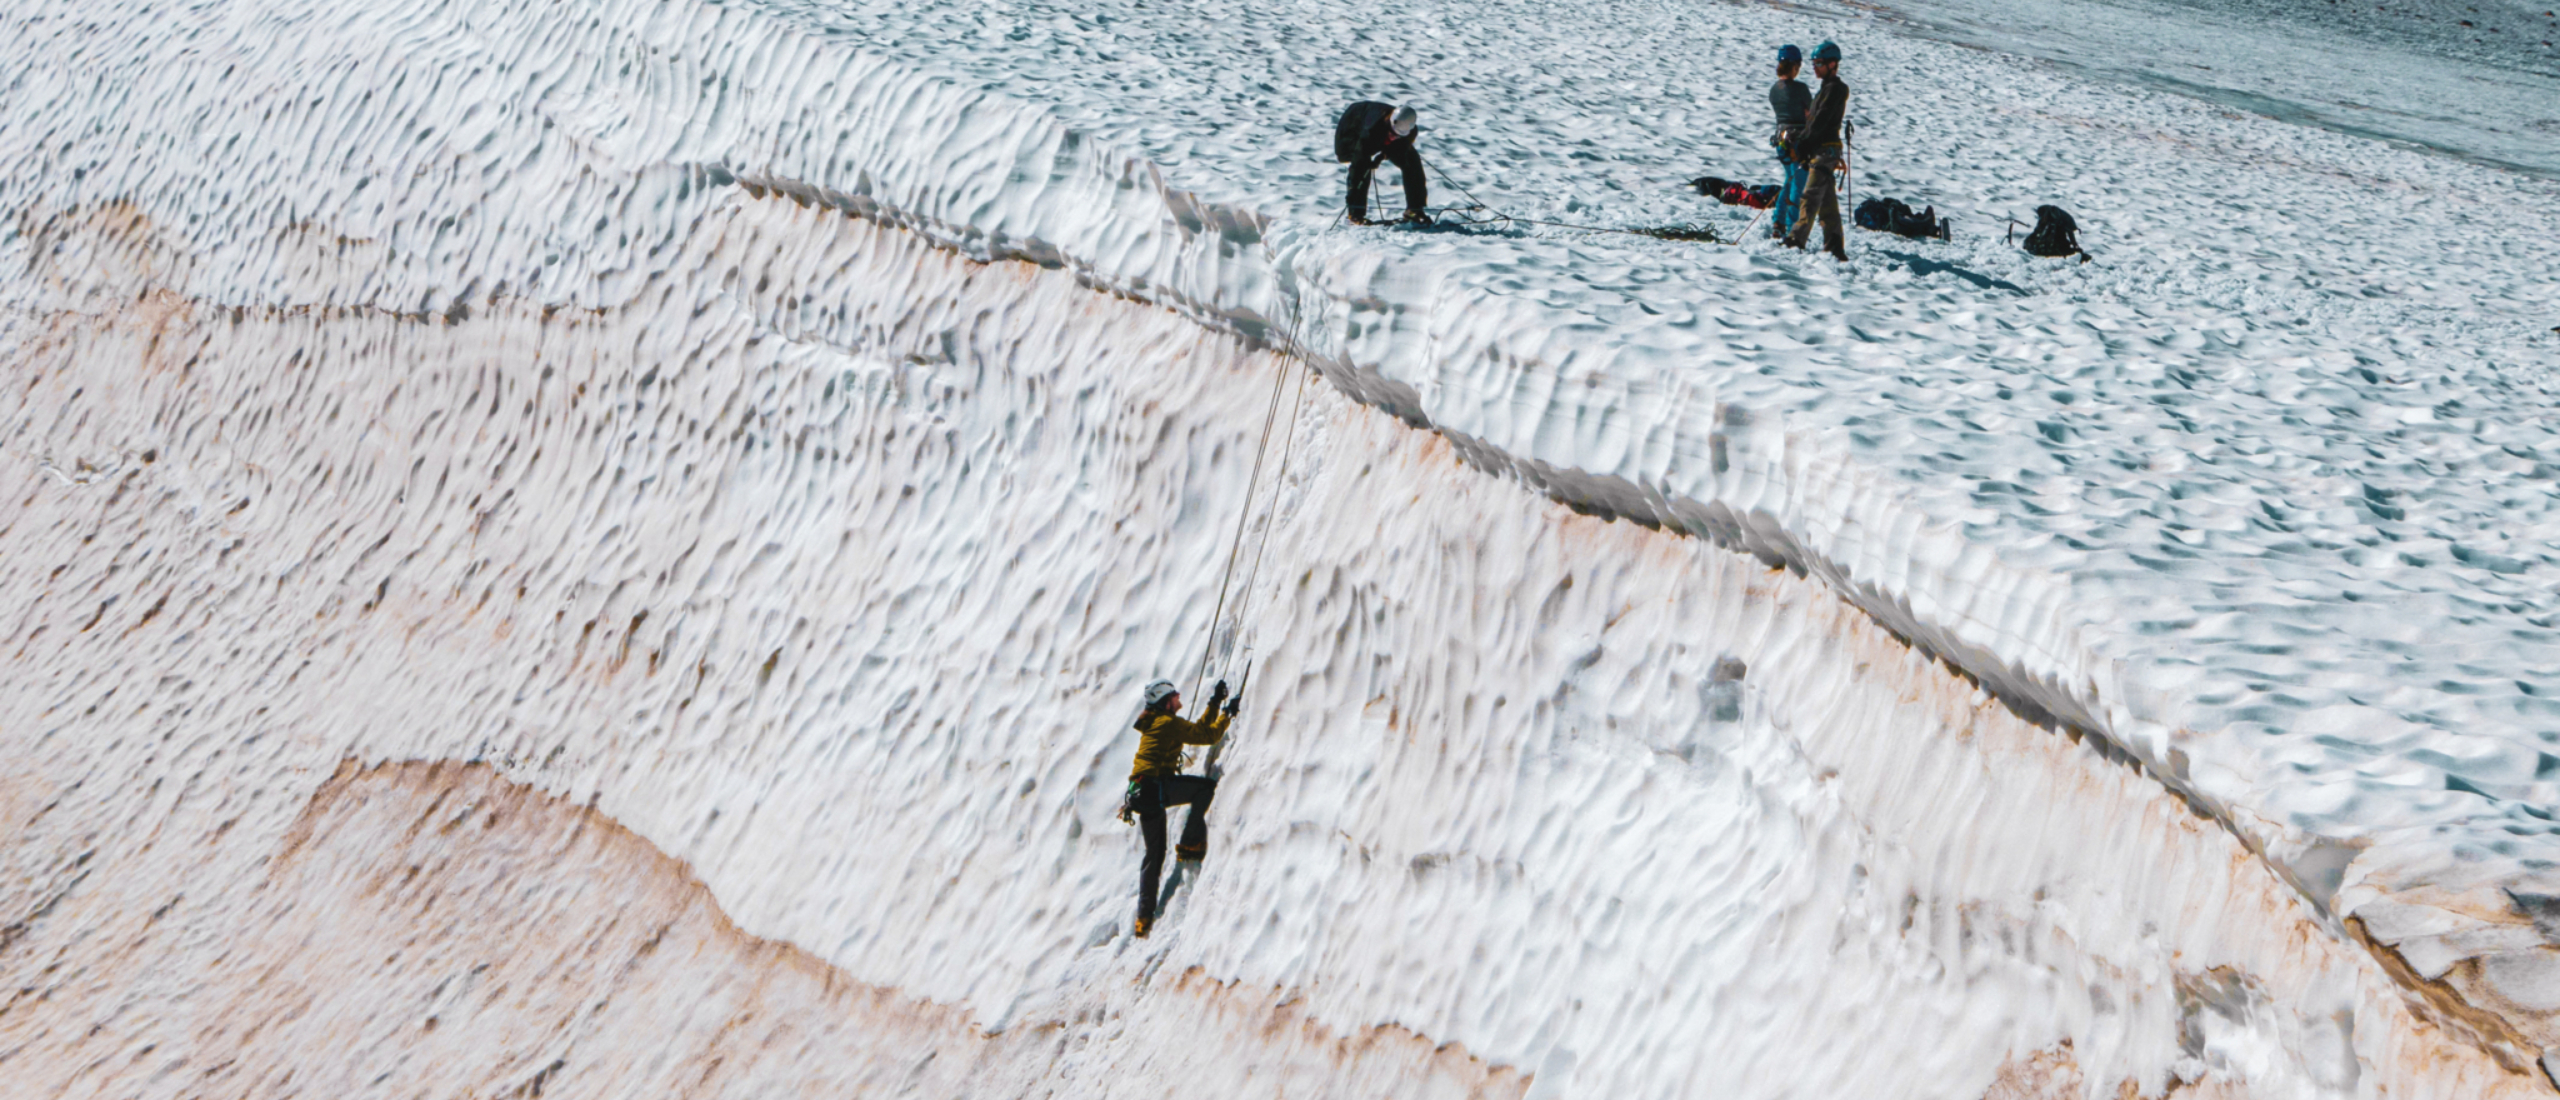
column 1782, row 215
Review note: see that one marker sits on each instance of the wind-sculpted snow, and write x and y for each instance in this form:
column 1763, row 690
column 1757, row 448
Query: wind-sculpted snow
column 369, row 668
column 707, row 414
column 2265, row 497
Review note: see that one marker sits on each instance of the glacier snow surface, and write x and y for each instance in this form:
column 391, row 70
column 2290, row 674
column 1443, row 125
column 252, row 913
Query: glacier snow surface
column 2265, row 494
column 2263, row 497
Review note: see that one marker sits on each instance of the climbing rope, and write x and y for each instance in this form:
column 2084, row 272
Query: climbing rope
column 1475, row 212
column 1279, row 484
column 1279, row 379
column 1293, row 351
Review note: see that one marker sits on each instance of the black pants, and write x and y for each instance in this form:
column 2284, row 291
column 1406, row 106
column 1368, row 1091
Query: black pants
column 1821, row 203
column 1150, row 800
column 1417, row 188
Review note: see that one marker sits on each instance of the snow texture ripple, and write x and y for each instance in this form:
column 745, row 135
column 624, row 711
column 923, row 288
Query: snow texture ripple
column 2262, row 500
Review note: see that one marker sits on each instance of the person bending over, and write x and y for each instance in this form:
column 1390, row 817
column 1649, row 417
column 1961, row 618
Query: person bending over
column 1370, row 132
column 1156, row 783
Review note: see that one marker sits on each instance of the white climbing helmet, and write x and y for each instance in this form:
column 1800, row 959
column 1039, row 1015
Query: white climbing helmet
column 1156, row 692
column 1404, row 121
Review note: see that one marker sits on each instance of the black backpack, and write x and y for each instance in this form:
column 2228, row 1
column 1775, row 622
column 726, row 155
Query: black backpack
column 1898, row 218
column 2055, row 234
column 1351, row 130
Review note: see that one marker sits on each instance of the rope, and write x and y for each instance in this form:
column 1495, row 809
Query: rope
column 1279, row 482
column 1294, row 349
column 1491, row 215
column 1279, row 379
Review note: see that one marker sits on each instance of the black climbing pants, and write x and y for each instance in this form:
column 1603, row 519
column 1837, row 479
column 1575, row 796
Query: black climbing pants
column 1149, row 801
column 1417, row 187
column 1821, row 202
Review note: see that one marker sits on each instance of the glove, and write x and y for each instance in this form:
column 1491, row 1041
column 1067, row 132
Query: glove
column 1415, row 217
column 1233, row 704
column 1217, row 695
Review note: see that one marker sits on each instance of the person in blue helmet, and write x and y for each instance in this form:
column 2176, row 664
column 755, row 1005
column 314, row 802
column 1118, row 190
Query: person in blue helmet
column 1790, row 99
column 1820, row 147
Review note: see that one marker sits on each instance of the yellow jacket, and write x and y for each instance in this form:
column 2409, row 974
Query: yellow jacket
column 1161, row 737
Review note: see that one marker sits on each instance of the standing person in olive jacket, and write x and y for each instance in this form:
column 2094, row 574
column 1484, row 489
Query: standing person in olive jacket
column 1819, row 148
column 1156, row 783
column 1369, row 132
column 1790, row 99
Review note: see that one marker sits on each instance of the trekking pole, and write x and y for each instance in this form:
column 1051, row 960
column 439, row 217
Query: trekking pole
column 1848, row 174
column 1754, row 223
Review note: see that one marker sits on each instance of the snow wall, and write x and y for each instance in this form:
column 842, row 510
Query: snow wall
column 610, row 552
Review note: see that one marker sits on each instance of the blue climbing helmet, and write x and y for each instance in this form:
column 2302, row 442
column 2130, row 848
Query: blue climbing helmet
column 1788, row 53
column 1827, row 51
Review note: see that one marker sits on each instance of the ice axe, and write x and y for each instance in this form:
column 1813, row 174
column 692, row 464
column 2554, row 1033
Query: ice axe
column 1209, row 764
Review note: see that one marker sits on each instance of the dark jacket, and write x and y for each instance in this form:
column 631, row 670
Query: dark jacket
column 1365, row 135
column 1822, row 121
column 1364, row 132
column 1790, row 99
column 1161, row 737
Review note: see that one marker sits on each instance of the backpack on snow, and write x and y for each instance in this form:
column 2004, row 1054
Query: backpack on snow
column 1898, row 218
column 1735, row 192
column 1875, row 214
column 2055, row 234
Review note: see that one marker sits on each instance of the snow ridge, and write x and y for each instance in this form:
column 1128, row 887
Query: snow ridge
column 647, row 109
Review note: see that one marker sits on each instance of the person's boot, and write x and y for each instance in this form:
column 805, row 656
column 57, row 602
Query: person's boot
column 1145, row 925
column 1191, row 853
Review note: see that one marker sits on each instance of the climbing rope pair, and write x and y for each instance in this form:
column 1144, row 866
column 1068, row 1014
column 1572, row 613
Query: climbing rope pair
column 1293, row 353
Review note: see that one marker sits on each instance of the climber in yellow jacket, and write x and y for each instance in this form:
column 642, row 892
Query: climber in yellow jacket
column 1156, row 782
